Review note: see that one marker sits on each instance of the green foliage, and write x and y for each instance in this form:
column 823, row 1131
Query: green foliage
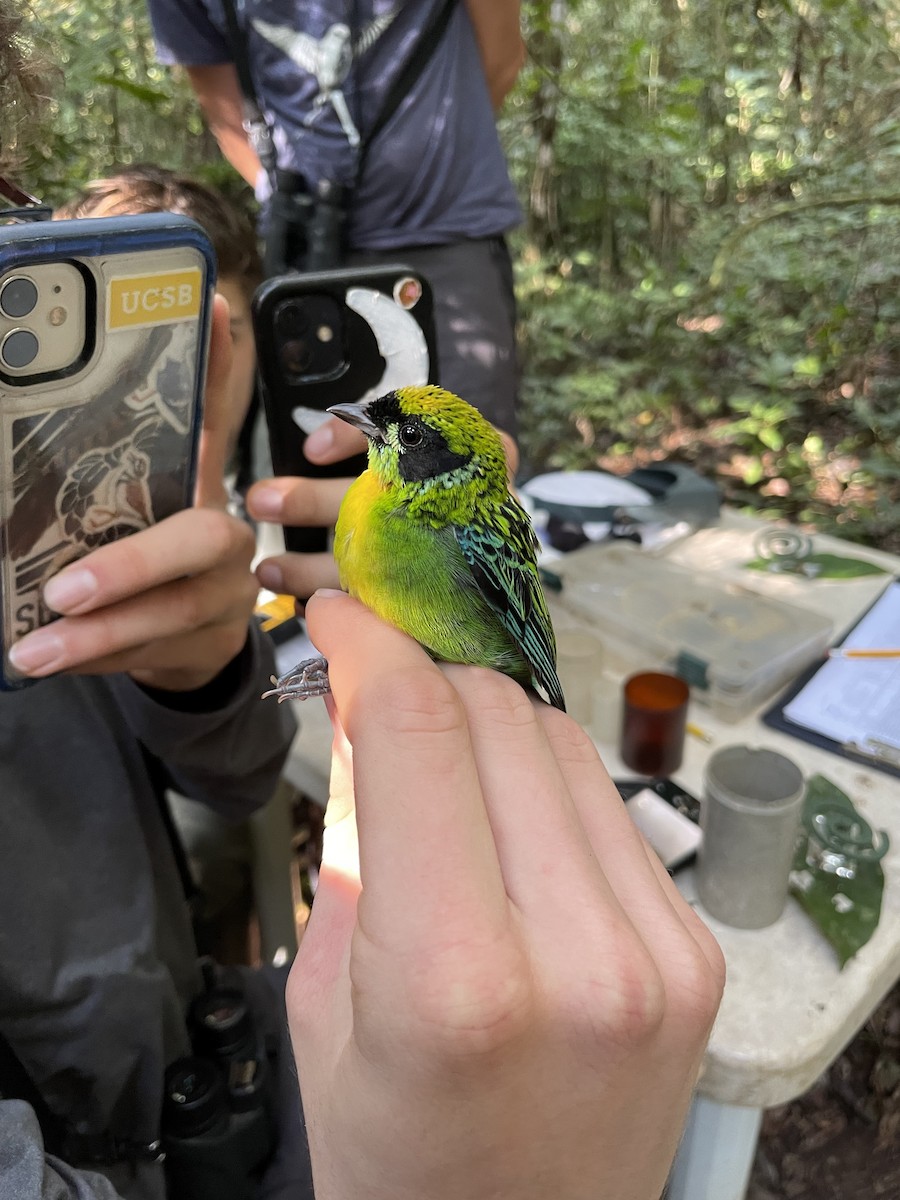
column 849, row 924
column 110, row 102
column 710, row 262
column 714, row 276
column 825, row 566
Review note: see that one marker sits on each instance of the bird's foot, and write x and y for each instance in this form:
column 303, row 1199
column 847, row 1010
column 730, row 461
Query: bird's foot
column 309, row 678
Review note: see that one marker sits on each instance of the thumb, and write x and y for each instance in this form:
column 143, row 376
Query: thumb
column 340, row 850
column 210, row 490
column 325, row 946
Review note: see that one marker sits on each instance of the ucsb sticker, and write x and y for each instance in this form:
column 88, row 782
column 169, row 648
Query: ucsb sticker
column 156, row 299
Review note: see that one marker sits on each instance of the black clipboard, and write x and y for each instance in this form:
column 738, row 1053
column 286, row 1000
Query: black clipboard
column 775, row 717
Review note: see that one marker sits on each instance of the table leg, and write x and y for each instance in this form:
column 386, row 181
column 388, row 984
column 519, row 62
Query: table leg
column 716, row 1152
column 270, row 850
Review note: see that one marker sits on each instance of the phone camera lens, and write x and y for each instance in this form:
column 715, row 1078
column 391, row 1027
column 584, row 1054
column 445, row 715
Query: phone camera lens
column 19, row 349
column 296, row 356
column 292, row 319
column 18, row 297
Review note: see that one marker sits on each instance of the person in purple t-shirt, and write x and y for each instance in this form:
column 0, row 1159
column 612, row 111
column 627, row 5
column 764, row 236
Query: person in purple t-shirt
column 433, row 184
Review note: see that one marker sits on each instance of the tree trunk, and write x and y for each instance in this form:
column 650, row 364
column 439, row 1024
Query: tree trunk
column 545, row 48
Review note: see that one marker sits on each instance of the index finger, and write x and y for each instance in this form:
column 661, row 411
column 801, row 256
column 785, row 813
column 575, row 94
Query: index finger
column 297, row 500
column 426, row 851
column 189, row 542
column 333, row 441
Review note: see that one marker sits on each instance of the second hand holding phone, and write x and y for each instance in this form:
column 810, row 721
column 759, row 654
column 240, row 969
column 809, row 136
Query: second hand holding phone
column 336, row 337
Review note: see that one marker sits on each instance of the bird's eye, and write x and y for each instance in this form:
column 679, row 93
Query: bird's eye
column 410, row 435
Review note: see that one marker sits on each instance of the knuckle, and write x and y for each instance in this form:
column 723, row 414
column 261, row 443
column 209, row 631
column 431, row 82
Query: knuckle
column 495, row 696
column 471, row 1001
column 640, row 1004
column 226, row 536
column 304, row 573
column 298, row 503
column 125, row 559
column 621, row 1005
column 311, row 502
column 194, row 603
column 217, row 597
column 569, row 740
column 699, row 983
column 246, row 592
column 419, row 700
column 701, row 970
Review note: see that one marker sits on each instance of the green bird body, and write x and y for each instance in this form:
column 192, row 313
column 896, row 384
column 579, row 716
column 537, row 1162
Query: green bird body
column 431, row 540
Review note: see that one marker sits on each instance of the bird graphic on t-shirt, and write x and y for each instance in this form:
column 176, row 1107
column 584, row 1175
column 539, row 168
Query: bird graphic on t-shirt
column 329, row 58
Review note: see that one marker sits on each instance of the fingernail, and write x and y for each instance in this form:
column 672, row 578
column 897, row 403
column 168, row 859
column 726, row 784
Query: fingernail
column 271, row 576
column 266, row 502
column 69, row 590
column 38, row 653
column 320, row 441
column 326, row 594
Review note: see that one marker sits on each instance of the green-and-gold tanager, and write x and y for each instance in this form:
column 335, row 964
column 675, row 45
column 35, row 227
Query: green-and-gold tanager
column 431, row 540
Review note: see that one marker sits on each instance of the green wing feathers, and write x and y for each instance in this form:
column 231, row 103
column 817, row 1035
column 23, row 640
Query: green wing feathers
column 502, row 558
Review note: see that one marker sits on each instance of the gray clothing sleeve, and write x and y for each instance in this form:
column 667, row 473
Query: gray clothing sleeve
column 27, row 1173
column 98, row 958
column 228, row 758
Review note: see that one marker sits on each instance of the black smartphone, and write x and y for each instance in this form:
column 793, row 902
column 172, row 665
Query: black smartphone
column 336, row 337
column 667, row 815
column 104, row 326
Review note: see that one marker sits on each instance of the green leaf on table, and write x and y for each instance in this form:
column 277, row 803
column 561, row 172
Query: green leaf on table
column 847, row 911
column 826, row 566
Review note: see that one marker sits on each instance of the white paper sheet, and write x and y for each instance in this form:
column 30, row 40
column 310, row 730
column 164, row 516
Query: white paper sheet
column 856, row 701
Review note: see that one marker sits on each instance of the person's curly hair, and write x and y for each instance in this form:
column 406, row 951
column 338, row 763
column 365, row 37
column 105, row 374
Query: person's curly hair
column 146, row 188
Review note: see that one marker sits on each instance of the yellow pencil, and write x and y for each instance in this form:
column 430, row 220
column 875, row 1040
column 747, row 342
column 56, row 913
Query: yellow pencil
column 697, row 732
column 840, row 652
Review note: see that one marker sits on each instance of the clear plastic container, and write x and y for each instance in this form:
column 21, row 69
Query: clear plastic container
column 735, row 648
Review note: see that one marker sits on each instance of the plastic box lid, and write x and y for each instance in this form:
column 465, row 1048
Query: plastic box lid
column 734, row 647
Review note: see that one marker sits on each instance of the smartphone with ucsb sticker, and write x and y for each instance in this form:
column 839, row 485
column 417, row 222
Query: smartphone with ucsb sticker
column 104, row 330
column 336, row 337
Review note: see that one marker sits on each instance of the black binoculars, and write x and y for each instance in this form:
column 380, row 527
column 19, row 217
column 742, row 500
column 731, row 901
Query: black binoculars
column 218, row 1121
column 305, row 229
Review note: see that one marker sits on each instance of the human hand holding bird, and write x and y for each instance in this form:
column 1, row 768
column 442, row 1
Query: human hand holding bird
column 493, row 947
column 431, row 540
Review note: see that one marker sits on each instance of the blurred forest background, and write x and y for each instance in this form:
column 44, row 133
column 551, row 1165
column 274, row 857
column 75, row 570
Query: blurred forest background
column 709, row 269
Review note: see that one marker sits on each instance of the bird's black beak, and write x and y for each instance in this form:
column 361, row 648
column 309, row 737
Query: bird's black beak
column 358, row 415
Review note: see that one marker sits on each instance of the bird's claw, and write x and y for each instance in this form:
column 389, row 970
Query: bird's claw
column 309, row 678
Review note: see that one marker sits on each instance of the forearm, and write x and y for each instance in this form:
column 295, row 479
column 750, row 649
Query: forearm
column 219, row 94
column 499, row 37
column 221, row 745
column 237, row 150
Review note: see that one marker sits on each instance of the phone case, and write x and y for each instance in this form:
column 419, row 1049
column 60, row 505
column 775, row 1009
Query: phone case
column 381, row 335
column 101, row 447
